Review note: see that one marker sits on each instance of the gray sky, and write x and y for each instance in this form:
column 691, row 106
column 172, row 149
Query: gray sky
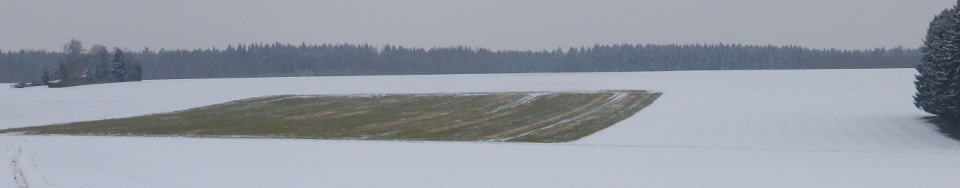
column 496, row 24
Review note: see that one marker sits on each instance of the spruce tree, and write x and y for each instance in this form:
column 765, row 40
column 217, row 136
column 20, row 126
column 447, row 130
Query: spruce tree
column 938, row 81
column 118, row 65
column 44, row 76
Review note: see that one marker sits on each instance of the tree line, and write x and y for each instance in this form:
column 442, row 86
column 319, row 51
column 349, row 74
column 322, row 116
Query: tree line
column 276, row 59
column 74, row 66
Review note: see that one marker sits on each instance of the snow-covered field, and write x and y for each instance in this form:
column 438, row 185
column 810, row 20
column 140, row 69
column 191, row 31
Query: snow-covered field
column 803, row 128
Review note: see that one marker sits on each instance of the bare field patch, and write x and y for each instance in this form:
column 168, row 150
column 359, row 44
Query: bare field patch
column 511, row 117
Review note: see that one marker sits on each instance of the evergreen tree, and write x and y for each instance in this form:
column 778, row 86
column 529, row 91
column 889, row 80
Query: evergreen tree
column 118, row 66
column 938, row 81
column 44, row 77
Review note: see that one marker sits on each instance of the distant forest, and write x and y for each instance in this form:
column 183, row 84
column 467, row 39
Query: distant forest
column 266, row 60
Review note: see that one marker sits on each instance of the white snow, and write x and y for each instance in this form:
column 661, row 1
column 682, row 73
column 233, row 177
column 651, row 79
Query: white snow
column 789, row 128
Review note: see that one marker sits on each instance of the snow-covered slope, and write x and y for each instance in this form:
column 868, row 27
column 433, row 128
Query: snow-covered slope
column 802, row 128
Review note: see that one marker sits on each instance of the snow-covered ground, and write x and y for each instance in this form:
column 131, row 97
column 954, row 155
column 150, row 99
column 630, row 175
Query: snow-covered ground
column 802, row 128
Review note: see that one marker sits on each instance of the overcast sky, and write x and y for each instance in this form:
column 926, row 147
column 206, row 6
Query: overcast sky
column 496, row 24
